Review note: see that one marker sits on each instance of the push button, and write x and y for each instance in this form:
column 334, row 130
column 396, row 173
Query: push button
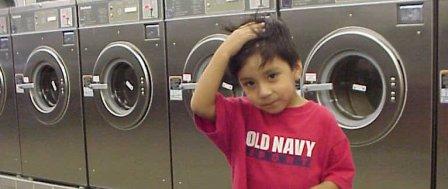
column 69, row 38
column 152, row 32
column 392, row 99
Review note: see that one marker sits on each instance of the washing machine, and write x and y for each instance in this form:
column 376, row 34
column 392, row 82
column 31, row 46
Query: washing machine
column 194, row 32
column 9, row 130
column 371, row 64
column 442, row 103
column 125, row 93
column 48, row 81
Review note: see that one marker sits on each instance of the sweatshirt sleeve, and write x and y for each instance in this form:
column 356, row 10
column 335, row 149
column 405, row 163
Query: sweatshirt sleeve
column 340, row 168
column 219, row 131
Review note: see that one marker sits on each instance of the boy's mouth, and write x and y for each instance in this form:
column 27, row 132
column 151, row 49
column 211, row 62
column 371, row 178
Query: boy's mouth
column 269, row 104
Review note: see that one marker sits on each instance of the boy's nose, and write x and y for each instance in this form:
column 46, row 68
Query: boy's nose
column 264, row 91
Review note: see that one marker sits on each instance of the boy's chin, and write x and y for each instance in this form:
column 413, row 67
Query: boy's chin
column 273, row 110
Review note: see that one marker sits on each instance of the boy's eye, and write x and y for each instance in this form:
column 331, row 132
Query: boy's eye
column 272, row 76
column 249, row 84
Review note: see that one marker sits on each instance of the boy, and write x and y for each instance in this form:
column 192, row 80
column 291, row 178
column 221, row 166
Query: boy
column 272, row 137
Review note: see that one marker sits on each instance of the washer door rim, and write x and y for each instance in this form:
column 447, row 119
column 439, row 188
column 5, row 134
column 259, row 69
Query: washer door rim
column 122, row 50
column 199, row 54
column 49, row 57
column 378, row 48
column 3, row 91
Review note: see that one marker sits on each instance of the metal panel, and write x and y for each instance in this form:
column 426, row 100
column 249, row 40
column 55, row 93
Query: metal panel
column 53, row 151
column 124, row 152
column 442, row 109
column 403, row 158
column 138, row 157
column 9, row 133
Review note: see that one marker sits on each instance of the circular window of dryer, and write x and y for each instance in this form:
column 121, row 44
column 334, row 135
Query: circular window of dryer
column 123, row 68
column 2, row 91
column 369, row 87
column 198, row 60
column 51, row 91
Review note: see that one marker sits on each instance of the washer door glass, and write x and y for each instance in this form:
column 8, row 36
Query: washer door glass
column 50, row 94
column 229, row 85
column 369, row 87
column 125, row 101
column 47, row 90
column 357, row 93
column 123, row 90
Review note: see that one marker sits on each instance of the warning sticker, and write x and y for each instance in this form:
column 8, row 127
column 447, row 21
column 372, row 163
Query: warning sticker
column 311, row 77
column 88, row 92
column 176, row 95
column 186, row 77
column 444, row 86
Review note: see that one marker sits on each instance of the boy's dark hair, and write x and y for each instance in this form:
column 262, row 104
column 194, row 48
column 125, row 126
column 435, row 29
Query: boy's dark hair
column 275, row 41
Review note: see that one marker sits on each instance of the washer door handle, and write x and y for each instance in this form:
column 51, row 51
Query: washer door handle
column 317, row 87
column 98, row 86
column 26, row 86
column 187, row 86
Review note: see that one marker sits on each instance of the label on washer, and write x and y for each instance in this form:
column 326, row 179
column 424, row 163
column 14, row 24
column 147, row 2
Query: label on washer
column 66, row 17
column 227, row 86
column 19, row 90
column 176, row 95
column 186, row 77
column 130, row 9
column 53, row 84
column 444, row 86
column 96, row 78
column 88, row 92
column 258, row 4
column 51, row 19
column 360, row 88
column 85, row 7
column 311, row 77
column 129, row 85
column 444, row 96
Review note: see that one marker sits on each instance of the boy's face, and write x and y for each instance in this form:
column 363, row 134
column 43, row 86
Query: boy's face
column 271, row 87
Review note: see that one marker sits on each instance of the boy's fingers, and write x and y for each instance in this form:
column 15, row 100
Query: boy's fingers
column 252, row 25
column 260, row 27
column 246, row 25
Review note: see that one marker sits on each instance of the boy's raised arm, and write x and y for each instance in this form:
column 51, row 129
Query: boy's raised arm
column 203, row 100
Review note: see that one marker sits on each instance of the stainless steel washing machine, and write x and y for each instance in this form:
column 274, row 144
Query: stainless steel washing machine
column 442, row 103
column 379, row 58
column 194, row 32
column 9, row 131
column 125, row 93
column 48, row 80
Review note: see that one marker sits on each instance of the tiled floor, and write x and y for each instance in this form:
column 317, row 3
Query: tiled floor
column 8, row 182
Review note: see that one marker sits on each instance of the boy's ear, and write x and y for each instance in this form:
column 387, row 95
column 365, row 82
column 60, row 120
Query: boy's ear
column 298, row 70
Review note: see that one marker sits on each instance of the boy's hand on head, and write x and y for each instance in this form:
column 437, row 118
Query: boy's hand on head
column 239, row 37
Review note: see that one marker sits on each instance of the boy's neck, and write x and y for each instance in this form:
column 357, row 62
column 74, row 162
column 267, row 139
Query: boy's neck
column 298, row 101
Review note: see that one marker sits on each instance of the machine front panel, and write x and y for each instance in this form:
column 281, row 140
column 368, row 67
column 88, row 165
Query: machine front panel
column 127, row 121
column 401, row 150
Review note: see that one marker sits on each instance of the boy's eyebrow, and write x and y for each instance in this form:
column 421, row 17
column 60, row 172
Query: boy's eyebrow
column 270, row 70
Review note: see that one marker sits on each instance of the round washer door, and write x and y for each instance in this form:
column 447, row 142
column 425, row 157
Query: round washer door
column 123, row 68
column 198, row 60
column 369, row 86
column 49, row 97
column 2, row 91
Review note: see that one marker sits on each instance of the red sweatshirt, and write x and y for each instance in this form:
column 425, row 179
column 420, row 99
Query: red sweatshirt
column 297, row 148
